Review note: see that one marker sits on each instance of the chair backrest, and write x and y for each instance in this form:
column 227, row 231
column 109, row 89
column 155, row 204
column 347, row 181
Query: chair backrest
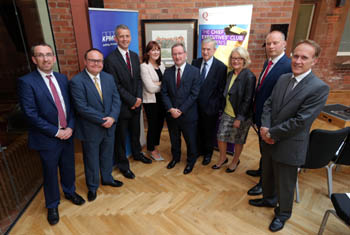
column 323, row 144
column 344, row 153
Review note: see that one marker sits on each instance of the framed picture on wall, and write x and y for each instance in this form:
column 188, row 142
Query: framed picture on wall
column 169, row 32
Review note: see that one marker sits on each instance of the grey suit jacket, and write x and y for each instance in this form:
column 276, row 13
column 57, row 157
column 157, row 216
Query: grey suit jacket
column 89, row 107
column 290, row 118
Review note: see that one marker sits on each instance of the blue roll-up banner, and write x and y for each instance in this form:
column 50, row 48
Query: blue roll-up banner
column 102, row 25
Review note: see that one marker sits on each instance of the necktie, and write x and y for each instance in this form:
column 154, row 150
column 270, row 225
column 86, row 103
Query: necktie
column 128, row 61
column 61, row 116
column 265, row 73
column 290, row 87
column 204, row 71
column 178, row 78
column 98, row 88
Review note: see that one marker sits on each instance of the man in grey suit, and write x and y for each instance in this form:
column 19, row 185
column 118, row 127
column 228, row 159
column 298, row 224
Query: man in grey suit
column 124, row 65
column 295, row 102
column 97, row 104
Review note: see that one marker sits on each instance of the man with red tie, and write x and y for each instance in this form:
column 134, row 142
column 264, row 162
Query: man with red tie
column 45, row 101
column 276, row 65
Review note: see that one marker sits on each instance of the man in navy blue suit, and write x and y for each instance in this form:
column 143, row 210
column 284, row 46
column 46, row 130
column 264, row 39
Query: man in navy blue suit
column 97, row 104
column 45, row 100
column 211, row 99
column 180, row 89
column 276, row 65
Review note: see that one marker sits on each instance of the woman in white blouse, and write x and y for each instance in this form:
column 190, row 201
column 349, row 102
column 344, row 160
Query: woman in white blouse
column 152, row 70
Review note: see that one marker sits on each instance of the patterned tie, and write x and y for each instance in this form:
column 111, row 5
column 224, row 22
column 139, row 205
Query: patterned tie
column 178, row 78
column 204, row 71
column 98, row 88
column 61, row 116
column 264, row 76
column 128, row 61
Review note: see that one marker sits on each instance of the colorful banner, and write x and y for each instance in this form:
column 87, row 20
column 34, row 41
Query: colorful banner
column 102, row 25
column 229, row 26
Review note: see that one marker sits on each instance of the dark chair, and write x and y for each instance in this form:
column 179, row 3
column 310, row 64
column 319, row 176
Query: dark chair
column 341, row 204
column 323, row 146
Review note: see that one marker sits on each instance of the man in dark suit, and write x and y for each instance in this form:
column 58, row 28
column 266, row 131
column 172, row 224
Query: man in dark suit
column 124, row 65
column 295, row 102
column 276, row 65
column 97, row 104
column 45, row 101
column 180, row 89
column 210, row 100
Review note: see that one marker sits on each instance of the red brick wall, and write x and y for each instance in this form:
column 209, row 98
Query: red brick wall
column 327, row 31
column 62, row 24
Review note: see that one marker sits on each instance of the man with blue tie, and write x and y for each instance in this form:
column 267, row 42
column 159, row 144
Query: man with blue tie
column 277, row 64
column 210, row 99
column 45, row 101
column 180, row 89
column 97, row 104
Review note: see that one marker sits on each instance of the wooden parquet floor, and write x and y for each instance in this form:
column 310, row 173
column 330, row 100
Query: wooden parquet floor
column 162, row 201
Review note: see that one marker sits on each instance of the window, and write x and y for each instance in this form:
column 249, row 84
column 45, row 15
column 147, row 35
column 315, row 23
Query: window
column 344, row 47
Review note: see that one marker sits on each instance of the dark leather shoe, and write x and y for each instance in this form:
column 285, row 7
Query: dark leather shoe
column 75, row 198
column 206, row 160
column 91, row 196
column 114, row 183
column 52, row 216
column 188, row 169
column 261, row 203
column 256, row 190
column 128, row 174
column 215, row 167
column 228, row 170
column 254, row 173
column 276, row 225
column 171, row 164
column 143, row 159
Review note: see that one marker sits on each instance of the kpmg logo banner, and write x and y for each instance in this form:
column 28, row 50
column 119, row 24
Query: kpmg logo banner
column 108, row 39
column 102, row 25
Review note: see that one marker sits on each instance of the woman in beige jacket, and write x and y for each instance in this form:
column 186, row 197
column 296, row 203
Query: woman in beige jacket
column 152, row 70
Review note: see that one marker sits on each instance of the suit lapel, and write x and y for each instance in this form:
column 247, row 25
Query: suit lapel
column 299, row 87
column 104, row 88
column 41, row 83
column 211, row 72
column 122, row 61
column 184, row 75
column 91, row 86
column 173, row 79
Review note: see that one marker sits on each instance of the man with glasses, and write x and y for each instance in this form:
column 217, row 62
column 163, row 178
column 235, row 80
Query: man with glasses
column 45, row 101
column 97, row 104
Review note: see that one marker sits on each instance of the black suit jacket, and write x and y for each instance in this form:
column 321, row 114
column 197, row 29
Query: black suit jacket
column 129, row 86
column 241, row 93
column 184, row 98
column 211, row 98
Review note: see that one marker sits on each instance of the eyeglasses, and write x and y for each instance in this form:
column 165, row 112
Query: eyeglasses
column 42, row 56
column 92, row 61
column 236, row 58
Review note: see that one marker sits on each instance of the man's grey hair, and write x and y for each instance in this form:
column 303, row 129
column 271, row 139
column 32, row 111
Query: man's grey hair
column 121, row 26
column 177, row 45
column 209, row 40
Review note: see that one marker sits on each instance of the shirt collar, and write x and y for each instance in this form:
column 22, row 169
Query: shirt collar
column 209, row 62
column 182, row 67
column 92, row 76
column 122, row 51
column 43, row 74
column 276, row 59
column 302, row 76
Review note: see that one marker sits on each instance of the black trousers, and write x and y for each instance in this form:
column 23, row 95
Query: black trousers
column 125, row 127
column 155, row 114
column 206, row 133
column 189, row 132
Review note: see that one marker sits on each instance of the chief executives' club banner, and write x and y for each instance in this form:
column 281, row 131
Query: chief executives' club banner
column 102, row 25
column 229, row 26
